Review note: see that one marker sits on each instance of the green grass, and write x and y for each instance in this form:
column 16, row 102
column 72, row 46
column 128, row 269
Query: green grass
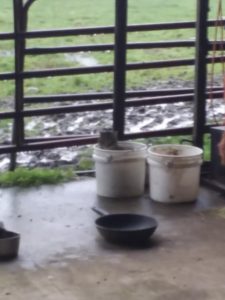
column 85, row 163
column 4, row 123
column 54, row 14
column 24, row 177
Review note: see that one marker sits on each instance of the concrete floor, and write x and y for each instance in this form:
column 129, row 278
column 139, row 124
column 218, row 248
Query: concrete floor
column 62, row 256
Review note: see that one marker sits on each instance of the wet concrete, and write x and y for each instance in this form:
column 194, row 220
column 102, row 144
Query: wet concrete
column 62, row 255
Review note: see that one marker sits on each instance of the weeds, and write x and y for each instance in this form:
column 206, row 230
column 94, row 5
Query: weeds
column 24, row 177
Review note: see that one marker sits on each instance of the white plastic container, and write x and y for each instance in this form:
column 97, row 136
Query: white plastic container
column 121, row 173
column 174, row 173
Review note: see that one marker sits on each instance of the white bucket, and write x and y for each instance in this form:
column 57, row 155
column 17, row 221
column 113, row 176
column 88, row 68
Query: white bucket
column 174, row 172
column 120, row 173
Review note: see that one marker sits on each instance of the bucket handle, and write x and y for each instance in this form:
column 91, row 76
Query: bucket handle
column 110, row 158
column 105, row 159
column 171, row 164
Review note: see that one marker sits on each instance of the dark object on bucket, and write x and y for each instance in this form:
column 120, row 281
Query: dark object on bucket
column 125, row 228
column 108, row 139
column 9, row 244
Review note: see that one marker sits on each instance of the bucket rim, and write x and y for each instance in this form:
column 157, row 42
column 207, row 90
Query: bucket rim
column 139, row 147
column 154, row 153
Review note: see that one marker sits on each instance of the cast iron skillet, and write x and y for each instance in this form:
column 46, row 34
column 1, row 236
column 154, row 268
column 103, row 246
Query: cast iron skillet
column 125, row 228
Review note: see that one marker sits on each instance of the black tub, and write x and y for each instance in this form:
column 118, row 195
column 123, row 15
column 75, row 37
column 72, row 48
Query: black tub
column 9, row 244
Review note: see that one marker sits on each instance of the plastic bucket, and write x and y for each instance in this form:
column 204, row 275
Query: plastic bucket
column 174, row 173
column 120, row 173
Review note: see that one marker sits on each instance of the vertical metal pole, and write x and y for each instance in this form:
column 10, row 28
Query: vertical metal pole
column 120, row 67
column 18, row 125
column 200, row 72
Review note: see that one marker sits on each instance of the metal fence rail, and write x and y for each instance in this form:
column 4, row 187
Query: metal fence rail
column 120, row 98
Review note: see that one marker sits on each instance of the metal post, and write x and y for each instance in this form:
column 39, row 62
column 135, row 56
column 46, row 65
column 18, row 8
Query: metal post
column 200, row 72
column 18, row 125
column 120, row 67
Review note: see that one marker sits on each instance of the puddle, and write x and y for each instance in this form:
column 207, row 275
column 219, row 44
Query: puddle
column 82, row 59
column 6, row 53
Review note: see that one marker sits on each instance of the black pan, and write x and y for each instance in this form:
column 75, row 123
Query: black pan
column 125, row 228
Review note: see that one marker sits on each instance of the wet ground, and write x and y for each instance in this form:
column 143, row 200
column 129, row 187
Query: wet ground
column 138, row 119
column 62, row 255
